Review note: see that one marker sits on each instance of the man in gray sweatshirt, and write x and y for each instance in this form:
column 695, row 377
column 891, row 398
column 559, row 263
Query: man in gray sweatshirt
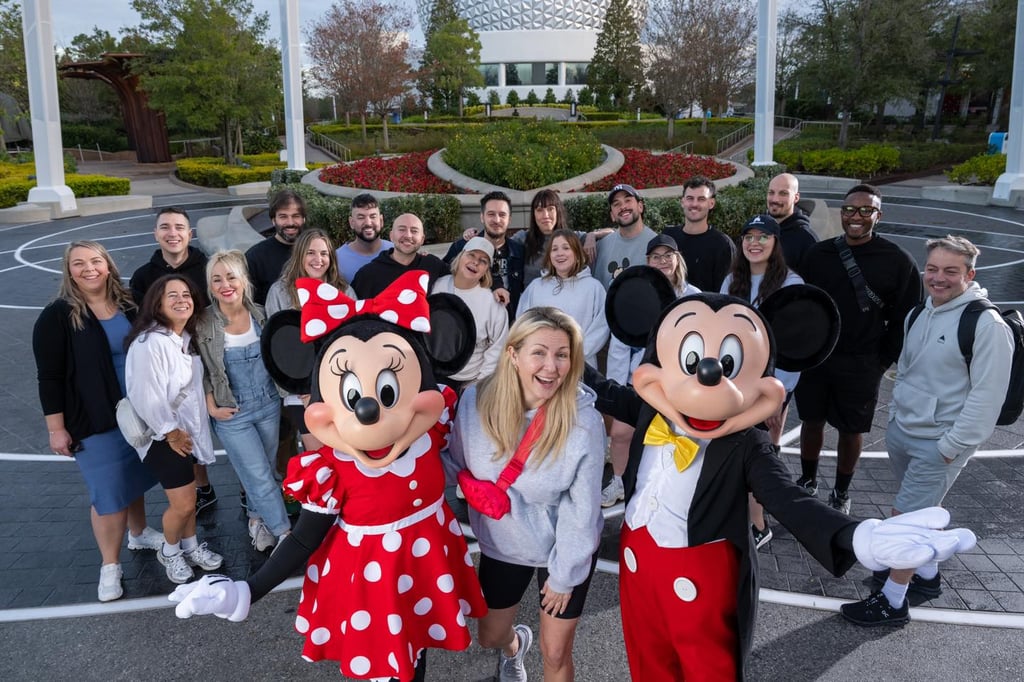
column 942, row 409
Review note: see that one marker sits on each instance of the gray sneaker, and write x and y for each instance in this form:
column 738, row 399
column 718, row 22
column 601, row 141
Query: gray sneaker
column 149, row 539
column 200, row 556
column 178, row 570
column 839, row 501
column 262, row 538
column 514, row 669
column 613, row 492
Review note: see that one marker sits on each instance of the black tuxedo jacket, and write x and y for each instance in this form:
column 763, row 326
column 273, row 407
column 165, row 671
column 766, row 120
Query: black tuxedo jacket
column 733, row 465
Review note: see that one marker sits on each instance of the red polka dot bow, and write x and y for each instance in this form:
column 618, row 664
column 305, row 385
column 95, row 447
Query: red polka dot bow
column 403, row 303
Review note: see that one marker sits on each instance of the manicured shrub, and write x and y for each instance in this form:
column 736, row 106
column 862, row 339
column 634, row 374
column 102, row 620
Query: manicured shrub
column 15, row 189
column 523, row 154
column 983, row 169
column 532, row 99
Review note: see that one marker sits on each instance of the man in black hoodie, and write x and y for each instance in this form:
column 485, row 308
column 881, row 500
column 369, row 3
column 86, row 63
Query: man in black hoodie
column 797, row 236
column 173, row 232
column 407, row 236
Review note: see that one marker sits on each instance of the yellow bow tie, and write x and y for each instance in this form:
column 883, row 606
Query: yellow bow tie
column 659, row 433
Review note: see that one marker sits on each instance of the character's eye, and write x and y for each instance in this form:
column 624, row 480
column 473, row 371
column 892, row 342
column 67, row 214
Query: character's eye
column 691, row 352
column 731, row 356
column 351, row 390
column 387, row 388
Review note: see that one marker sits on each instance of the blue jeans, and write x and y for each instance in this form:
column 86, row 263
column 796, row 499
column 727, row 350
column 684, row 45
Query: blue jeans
column 250, row 437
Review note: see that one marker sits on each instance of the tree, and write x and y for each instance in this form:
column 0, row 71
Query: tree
column 989, row 26
column 12, row 58
column 493, row 97
column 705, row 60
column 451, row 58
column 617, row 67
column 549, row 96
column 790, row 57
column 531, row 98
column 512, row 98
column 586, row 96
column 211, row 66
column 359, row 51
column 863, row 53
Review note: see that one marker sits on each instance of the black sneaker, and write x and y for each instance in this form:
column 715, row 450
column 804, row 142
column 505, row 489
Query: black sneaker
column 761, row 537
column 839, row 501
column 875, row 610
column 205, row 497
column 808, row 484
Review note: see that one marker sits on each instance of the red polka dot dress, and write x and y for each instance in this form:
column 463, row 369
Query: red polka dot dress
column 393, row 576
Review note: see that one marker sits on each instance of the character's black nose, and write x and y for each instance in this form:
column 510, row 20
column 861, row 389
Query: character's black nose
column 368, row 410
column 709, row 372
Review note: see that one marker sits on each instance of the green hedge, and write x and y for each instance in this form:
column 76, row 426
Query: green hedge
column 208, row 171
column 734, row 207
column 817, row 154
column 441, row 213
column 983, row 169
column 14, row 190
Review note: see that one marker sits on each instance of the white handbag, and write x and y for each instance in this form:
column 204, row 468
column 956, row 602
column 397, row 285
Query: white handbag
column 134, row 429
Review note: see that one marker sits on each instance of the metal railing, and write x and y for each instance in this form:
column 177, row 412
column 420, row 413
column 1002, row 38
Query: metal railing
column 723, row 143
column 329, row 146
column 684, row 148
column 186, row 145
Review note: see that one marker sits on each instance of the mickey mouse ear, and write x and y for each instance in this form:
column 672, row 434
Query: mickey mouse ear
column 635, row 301
column 805, row 323
column 289, row 361
column 452, row 334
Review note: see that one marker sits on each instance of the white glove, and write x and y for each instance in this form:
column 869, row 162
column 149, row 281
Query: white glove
column 216, row 594
column 909, row 540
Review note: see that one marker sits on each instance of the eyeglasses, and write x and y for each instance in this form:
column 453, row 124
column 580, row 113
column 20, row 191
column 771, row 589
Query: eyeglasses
column 661, row 257
column 864, row 211
column 759, row 238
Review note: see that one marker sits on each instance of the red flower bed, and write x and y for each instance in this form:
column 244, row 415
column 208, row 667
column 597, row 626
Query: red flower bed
column 643, row 169
column 406, row 173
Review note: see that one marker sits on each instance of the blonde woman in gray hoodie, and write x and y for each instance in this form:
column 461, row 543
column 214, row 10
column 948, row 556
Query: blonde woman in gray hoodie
column 555, row 520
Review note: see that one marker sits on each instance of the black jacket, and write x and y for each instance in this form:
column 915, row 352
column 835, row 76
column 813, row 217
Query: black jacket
column 266, row 260
column 194, row 268
column 733, row 465
column 796, row 237
column 376, row 275
column 75, row 371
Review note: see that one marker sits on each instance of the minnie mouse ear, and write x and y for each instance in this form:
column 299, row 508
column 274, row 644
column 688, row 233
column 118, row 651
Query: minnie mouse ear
column 289, row 361
column 452, row 334
column 634, row 303
column 805, row 323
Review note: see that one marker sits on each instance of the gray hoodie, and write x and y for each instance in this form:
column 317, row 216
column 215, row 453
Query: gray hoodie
column 556, row 518
column 935, row 397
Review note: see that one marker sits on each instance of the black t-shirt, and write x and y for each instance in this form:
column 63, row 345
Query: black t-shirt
column 266, row 261
column 708, row 256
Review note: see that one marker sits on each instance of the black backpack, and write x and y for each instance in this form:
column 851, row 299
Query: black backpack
column 1013, row 404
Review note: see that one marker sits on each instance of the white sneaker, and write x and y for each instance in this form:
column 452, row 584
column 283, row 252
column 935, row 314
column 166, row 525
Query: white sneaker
column 149, row 539
column 262, row 538
column 178, row 570
column 110, row 583
column 514, row 669
column 201, row 557
column 613, row 492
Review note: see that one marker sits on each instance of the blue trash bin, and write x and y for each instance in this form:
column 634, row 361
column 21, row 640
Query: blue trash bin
column 396, row 117
column 997, row 143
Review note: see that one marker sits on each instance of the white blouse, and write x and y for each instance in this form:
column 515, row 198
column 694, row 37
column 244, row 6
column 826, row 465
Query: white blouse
column 157, row 369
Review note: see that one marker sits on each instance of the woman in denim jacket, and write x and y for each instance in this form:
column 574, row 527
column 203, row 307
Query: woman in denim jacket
column 240, row 395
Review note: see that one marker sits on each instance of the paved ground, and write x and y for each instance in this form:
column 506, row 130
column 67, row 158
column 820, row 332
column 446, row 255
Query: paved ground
column 48, row 556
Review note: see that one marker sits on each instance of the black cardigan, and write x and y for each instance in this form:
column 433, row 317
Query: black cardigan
column 75, row 371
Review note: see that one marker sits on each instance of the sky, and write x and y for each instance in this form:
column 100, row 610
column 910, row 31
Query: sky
column 71, row 17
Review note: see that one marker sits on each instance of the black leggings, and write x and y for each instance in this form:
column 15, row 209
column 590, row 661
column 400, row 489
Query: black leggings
column 504, row 585
column 170, row 468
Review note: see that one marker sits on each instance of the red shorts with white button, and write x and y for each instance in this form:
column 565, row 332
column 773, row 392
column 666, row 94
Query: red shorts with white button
column 678, row 609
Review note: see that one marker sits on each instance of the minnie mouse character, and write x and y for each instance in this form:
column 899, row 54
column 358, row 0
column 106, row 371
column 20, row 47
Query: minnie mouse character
column 688, row 570
column 388, row 573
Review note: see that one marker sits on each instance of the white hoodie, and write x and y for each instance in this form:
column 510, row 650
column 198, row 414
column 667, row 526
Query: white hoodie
column 935, row 397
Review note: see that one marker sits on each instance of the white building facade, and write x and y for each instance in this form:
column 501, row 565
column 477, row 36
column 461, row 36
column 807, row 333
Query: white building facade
column 533, row 44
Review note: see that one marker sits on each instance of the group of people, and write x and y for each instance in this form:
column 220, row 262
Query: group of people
column 537, row 300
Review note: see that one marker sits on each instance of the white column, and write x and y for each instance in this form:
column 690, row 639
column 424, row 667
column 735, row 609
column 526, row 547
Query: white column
column 41, row 74
column 501, row 74
column 764, row 101
column 1010, row 186
column 561, row 73
column 291, row 63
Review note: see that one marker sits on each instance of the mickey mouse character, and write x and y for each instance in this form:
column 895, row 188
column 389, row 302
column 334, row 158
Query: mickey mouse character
column 688, row 571
column 388, row 572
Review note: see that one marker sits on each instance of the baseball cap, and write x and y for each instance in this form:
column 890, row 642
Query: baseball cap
column 479, row 244
column 763, row 222
column 662, row 240
column 628, row 189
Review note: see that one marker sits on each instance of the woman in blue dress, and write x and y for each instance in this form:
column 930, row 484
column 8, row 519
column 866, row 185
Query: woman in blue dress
column 78, row 342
